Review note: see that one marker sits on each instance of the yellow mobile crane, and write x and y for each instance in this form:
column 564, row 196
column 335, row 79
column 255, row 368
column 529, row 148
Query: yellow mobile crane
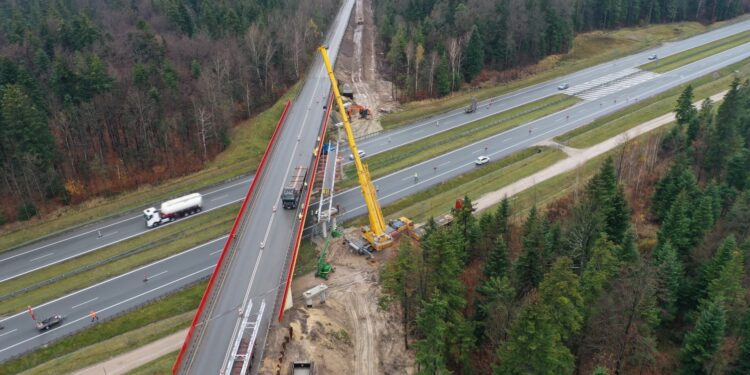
column 376, row 233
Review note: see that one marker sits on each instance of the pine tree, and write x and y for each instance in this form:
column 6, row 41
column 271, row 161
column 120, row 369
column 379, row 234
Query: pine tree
column 534, row 347
column 560, row 297
column 727, row 289
column 617, row 216
column 676, row 225
column 432, row 350
column 713, row 268
column 600, row 371
column 399, row 281
column 502, row 218
column 738, row 165
column 443, row 77
column 529, row 268
column 702, row 219
column 678, row 178
column 670, row 278
column 466, row 228
column 498, row 262
column 604, row 184
column 702, row 343
column 685, row 112
column 474, row 60
column 628, row 250
column 495, row 309
column 600, row 268
column 742, row 364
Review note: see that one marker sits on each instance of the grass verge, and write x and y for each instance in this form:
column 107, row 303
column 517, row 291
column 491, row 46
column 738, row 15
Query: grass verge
column 439, row 198
column 588, row 49
column 114, row 346
column 249, row 140
column 161, row 365
column 416, row 152
column 307, row 258
column 620, row 121
column 176, row 304
column 677, row 60
column 559, row 186
column 77, row 273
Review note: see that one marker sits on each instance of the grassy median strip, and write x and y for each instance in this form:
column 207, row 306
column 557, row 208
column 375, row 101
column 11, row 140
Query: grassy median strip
column 77, row 273
column 636, row 114
column 430, row 147
column 161, row 365
column 439, row 198
column 249, row 140
column 589, row 49
column 103, row 340
column 677, row 60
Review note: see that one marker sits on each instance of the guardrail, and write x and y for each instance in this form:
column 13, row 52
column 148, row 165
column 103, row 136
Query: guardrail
column 230, row 239
column 301, row 226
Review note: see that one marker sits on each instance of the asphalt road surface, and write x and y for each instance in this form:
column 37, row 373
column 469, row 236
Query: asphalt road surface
column 398, row 184
column 83, row 240
column 458, row 161
column 59, row 247
column 255, row 271
column 108, row 298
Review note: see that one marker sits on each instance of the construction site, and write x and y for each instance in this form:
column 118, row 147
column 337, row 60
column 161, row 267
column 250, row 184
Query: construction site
column 337, row 324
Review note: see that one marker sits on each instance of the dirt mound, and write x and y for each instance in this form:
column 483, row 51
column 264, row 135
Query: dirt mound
column 349, row 334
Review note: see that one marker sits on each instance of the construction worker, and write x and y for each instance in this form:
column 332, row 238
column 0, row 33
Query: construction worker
column 94, row 317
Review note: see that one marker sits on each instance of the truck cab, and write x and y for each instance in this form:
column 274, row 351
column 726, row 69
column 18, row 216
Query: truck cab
column 152, row 216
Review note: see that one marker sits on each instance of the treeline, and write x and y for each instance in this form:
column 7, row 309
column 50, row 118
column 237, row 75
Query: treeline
column 636, row 274
column 101, row 96
column 434, row 45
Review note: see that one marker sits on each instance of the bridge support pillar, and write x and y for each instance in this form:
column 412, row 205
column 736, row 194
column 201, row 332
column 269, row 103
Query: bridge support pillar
column 288, row 303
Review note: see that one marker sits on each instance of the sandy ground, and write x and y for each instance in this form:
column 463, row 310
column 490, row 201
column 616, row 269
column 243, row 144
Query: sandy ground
column 131, row 360
column 576, row 157
column 349, row 334
column 357, row 65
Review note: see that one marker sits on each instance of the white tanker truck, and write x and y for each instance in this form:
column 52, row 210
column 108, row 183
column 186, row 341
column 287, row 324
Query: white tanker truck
column 173, row 209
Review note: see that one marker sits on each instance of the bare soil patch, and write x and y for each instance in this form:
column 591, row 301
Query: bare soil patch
column 349, row 334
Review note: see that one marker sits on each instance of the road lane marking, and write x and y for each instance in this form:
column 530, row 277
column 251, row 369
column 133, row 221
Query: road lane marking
column 477, row 151
column 86, row 316
column 122, row 221
column 83, row 303
column 140, row 269
column 14, row 329
column 442, row 164
column 219, row 197
column 158, row 274
column 43, row 256
column 109, row 234
column 215, row 252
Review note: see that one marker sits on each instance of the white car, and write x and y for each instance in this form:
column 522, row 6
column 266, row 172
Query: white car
column 652, row 57
column 360, row 152
column 563, row 86
column 482, row 160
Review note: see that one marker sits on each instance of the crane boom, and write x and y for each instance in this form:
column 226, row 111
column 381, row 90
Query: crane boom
column 376, row 234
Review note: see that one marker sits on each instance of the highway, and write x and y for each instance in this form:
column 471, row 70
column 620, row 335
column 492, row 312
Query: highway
column 59, row 247
column 455, row 162
column 390, row 139
column 391, row 187
column 83, row 240
column 254, row 270
column 108, row 298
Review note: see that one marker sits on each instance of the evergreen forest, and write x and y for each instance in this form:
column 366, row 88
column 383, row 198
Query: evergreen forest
column 643, row 270
column 97, row 97
column 432, row 46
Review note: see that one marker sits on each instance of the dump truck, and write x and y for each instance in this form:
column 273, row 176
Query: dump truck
column 472, row 106
column 173, row 209
column 292, row 192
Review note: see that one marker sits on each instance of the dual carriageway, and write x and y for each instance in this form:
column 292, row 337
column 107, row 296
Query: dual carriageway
column 257, row 273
